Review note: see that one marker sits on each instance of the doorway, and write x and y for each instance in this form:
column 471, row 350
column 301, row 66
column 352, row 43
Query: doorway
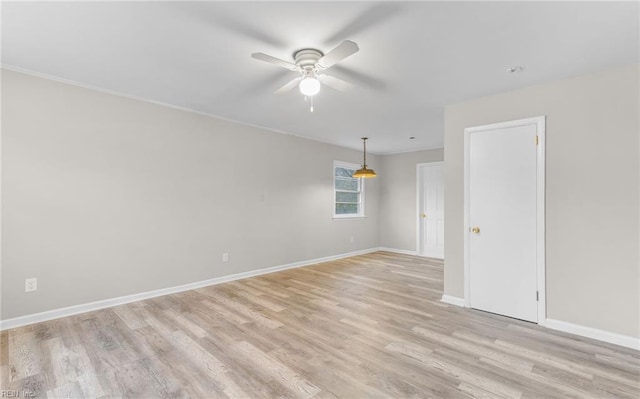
column 504, row 218
column 430, row 210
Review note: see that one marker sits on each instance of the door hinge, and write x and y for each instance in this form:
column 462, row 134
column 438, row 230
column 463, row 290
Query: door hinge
column 537, row 140
column 537, row 295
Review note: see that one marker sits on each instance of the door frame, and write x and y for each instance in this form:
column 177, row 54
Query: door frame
column 418, row 184
column 540, row 122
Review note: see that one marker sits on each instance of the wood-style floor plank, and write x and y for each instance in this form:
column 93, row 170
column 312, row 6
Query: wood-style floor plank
column 369, row 326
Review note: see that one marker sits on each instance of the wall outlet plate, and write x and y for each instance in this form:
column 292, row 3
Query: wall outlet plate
column 30, row 284
column 225, row 257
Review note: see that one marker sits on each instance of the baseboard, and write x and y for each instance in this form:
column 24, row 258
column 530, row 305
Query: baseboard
column 405, row 252
column 589, row 332
column 452, row 300
column 397, row 251
column 583, row 331
column 106, row 303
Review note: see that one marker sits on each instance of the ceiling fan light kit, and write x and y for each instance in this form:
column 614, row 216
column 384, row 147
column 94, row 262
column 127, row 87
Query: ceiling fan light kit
column 309, row 86
column 364, row 172
column 309, row 63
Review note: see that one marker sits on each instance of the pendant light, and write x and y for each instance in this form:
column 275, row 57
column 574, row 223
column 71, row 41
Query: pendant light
column 364, row 171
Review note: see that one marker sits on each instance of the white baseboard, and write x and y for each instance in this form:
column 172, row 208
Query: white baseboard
column 583, row 331
column 397, row 251
column 589, row 332
column 106, row 303
column 453, row 300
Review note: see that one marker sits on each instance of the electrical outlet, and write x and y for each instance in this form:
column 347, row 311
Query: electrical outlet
column 30, row 284
column 225, row 257
column 352, row 239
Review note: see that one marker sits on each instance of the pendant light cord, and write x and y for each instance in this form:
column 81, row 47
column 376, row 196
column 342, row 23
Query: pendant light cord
column 364, row 141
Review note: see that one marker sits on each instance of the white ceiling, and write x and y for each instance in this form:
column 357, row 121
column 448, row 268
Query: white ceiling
column 414, row 57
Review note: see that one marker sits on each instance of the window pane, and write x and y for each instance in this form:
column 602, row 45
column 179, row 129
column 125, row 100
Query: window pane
column 347, row 184
column 347, row 191
column 344, row 172
column 346, row 209
column 347, row 197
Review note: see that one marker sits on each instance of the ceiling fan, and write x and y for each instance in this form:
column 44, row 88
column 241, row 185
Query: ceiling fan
column 310, row 63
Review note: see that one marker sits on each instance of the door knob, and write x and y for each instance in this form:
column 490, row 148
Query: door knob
column 423, row 215
column 475, row 230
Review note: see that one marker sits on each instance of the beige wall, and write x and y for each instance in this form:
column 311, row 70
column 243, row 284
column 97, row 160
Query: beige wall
column 592, row 193
column 104, row 196
column 398, row 197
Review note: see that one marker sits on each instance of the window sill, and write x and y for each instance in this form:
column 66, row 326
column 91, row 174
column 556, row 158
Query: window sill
column 350, row 217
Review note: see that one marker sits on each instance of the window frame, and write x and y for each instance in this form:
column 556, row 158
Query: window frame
column 361, row 203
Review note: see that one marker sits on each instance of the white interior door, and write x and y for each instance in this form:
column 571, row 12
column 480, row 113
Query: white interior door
column 502, row 238
column 431, row 210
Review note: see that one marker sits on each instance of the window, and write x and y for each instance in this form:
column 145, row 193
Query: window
column 348, row 191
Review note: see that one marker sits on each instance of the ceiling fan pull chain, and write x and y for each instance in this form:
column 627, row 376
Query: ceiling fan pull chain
column 311, row 109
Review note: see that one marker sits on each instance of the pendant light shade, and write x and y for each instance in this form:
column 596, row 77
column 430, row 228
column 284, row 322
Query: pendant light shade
column 364, row 171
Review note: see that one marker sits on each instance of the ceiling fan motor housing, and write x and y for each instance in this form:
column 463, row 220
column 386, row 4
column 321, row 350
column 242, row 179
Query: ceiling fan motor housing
column 307, row 58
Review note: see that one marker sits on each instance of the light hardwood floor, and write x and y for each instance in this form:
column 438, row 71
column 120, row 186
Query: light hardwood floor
column 367, row 326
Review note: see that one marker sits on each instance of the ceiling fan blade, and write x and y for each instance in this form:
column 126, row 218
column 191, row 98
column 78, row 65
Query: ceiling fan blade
column 373, row 16
column 359, row 78
column 335, row 83
column 209, row 14
column 273, row 60
column 338, row 54
column 288, row 86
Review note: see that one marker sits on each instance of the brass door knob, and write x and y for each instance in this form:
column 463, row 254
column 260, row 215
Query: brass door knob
column 423, row 215
column 475, row 230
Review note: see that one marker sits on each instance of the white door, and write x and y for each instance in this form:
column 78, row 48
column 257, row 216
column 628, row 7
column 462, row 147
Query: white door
column 431, row 210
column 502, row 219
